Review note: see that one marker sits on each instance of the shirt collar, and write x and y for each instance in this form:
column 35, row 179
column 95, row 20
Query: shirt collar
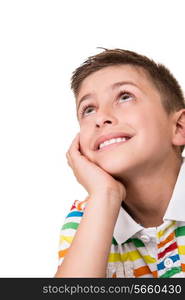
column 126, row 226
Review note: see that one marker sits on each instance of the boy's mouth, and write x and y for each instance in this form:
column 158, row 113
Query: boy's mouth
column 108, row 140
column 112, row 143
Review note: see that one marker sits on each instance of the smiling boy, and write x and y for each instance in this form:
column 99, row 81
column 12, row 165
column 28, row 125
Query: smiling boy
column 128, row 156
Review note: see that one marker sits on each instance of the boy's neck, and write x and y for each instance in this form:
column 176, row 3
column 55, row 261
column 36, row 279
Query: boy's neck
column 148, row 195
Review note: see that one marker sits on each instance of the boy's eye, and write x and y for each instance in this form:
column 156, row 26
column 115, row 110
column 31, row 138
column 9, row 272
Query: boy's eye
column 125, row 96
column 86, row 109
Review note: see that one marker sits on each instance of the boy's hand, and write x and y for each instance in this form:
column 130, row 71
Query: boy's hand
column 92, row 177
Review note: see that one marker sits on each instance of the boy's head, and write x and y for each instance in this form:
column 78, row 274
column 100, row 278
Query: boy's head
column 121, row 91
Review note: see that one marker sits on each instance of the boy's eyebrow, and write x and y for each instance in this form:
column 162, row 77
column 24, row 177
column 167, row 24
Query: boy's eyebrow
column 113, row 86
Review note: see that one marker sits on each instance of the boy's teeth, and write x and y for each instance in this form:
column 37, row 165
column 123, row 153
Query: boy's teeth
column 111, row 141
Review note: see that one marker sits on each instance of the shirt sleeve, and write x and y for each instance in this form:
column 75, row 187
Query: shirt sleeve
column 70, row 227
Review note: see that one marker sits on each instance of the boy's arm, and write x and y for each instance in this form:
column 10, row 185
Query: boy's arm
column 88, row 254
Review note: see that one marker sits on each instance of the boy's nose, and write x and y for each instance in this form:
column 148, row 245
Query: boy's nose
column 104, row 118
column 100, row 124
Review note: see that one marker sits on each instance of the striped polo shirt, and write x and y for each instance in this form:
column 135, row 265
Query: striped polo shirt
column 137, row 251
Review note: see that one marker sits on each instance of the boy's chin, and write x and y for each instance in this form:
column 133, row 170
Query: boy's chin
column 114, row 167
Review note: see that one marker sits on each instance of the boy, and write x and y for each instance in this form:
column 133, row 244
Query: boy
column 128, row 156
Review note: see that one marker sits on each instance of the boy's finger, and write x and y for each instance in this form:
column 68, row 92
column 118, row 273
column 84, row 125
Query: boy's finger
column 75, row 143
column 69, row 159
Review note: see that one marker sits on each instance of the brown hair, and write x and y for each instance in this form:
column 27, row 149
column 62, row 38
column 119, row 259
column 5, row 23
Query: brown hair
column 160, row 76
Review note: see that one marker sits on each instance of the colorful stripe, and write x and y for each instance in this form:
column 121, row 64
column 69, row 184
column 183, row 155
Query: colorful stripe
column 180, row 231
column 114, row 242
column 71, row 225
column 142, row 271
column 167, row 240
column 163, row 232
column 75, row 214
column 181, row 250
column 68, row 239
column 62, row 253
column 168, row 249
column 171, row 272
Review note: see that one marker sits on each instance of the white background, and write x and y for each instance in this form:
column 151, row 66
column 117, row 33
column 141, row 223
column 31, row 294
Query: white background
column 41, row 43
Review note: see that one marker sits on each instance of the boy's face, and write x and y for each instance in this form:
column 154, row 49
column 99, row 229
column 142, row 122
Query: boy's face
column 133, row 107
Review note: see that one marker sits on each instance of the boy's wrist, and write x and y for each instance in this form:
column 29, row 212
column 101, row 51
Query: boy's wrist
column 107, row 193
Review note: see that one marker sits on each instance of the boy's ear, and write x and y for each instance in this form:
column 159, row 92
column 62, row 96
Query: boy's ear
column 179, row 128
